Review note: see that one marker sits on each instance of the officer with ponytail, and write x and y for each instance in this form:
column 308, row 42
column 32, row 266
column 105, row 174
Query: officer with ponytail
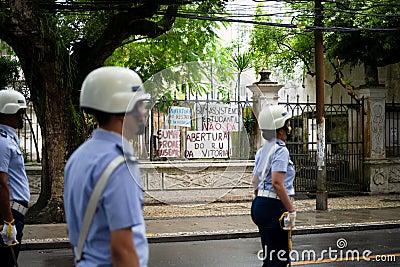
column 273, row 178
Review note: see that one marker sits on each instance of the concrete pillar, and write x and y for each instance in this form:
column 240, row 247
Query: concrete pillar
column 265, row 92
column 374, row 138
column 374, row 122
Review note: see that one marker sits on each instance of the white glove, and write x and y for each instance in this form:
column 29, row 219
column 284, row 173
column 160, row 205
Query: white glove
column 9, row 234
column 289, row 221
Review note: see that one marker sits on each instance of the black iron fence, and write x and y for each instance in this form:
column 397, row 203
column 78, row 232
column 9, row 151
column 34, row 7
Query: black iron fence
column 30, row 137
column 207, row 127
column 215, row 127
column 392, row 130
column 344, row 146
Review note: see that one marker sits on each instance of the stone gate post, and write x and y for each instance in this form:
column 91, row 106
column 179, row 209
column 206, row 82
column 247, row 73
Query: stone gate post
column 265, row 92
column 374, row 138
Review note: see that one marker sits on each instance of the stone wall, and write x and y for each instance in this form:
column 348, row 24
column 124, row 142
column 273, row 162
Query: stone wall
column 197, row 181
column 384, row 175
column 184, row 182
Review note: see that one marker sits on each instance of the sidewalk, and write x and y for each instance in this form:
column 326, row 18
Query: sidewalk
column 167, row 223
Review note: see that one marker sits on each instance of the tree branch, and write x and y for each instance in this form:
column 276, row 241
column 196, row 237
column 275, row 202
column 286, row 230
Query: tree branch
column 121, row 27
column 339, row 79
column 300, row 55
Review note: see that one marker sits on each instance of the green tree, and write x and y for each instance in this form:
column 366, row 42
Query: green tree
column 9, row 72
column 280, row 48
column 187, row 41
column 355, row 32
column 58, row 43
column 372, row 48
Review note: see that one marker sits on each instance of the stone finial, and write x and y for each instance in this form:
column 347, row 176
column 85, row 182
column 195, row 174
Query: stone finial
column 264, row 79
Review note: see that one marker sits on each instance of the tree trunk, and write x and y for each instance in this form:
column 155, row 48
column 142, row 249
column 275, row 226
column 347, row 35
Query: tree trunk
column 54, row 70
column 61, row 135
column 62, row 131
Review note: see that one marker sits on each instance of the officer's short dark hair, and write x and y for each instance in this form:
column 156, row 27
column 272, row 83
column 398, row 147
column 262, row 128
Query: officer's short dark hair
column 102, row 118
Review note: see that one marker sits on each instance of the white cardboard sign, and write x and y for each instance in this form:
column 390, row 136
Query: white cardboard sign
column 219, row 117
column 207, row 144
column 180, row 116
column 169, row 143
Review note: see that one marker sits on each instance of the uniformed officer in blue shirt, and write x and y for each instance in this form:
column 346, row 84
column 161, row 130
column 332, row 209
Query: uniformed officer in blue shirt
column 14, row 185
column 117, row 235
column 273, row 178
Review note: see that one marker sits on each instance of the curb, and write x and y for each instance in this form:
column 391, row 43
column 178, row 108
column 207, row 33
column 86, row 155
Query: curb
column 227, row 235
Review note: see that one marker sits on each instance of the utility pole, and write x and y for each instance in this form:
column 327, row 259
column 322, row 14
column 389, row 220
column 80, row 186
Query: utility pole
column 322, row 193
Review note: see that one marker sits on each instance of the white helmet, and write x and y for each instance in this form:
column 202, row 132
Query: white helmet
column 11, row 101
column 112, row 90
column 273, row 117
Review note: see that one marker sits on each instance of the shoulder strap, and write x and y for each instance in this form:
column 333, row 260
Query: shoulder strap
column 266, row 163
column 93, row 202
column 3, row 133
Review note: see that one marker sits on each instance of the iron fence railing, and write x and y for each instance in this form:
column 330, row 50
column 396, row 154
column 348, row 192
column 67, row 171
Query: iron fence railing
column 202, row 127
column 392, row 129
column 211, row 127
column 343, row 151
column 30, row 137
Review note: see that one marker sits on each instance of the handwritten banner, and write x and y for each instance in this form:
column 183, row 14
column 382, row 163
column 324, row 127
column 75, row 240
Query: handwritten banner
column 207, row 144
column 219, row 117
column 169, row 143
column 180, row 116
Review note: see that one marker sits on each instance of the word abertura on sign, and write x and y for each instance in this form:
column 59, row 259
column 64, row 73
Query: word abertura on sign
column 169, row 143
column 207, row 144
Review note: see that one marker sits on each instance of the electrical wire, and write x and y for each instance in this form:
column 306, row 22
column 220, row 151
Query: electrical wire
column 245, row 13
column 284, row 25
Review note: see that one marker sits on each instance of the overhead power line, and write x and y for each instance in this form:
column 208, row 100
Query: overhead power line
column 73, row 7
column 283, row 25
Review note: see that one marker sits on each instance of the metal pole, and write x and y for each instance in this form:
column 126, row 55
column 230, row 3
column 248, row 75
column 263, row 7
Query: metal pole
column 322, row 194
column 153, row 140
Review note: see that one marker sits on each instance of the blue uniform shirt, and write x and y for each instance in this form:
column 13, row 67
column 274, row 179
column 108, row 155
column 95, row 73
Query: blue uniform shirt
column 120, row 205
column 278, row 162
column 12, row 163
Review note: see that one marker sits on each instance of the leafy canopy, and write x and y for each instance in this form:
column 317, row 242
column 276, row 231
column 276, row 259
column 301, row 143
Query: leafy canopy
column 9, row 72
column 355, row 32
column 187, row 41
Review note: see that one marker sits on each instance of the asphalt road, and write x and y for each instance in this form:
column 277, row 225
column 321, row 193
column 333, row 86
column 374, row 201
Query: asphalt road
column 379, row 248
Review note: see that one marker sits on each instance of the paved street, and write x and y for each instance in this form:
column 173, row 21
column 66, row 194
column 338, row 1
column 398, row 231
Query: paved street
column 374, row 248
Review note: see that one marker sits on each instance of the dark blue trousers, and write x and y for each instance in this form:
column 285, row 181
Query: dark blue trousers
column 6, row 258
column 265, row 213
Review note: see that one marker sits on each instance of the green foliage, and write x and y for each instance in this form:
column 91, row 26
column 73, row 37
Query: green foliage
column 285, row 48
column 187, row 41
column 4, row 47
column 9, row 72
column 74, row 27
column 249, row 120
column 375, row 48
column 279, row 48
column 25, row 154
column 242, row 61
